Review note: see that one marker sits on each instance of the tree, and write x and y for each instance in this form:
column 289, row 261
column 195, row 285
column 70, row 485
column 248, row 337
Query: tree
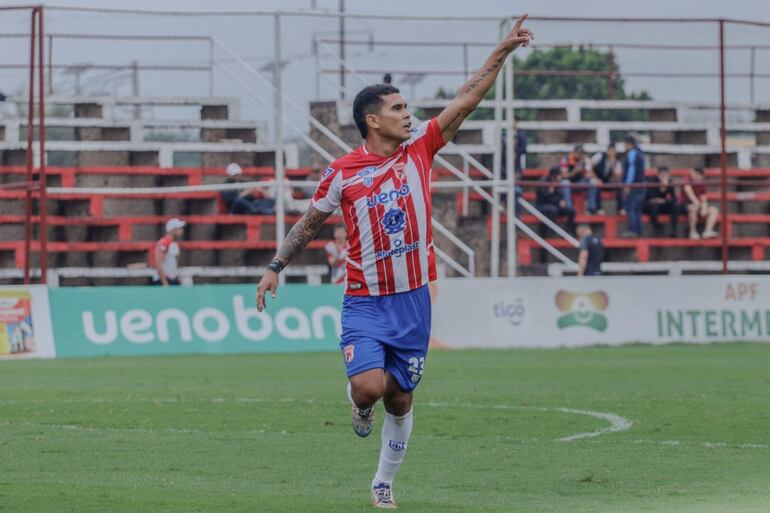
column 550, row 87
column 528, row 85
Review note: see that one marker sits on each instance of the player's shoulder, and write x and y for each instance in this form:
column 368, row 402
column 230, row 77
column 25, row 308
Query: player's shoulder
column 422, row 130
column 346, row 163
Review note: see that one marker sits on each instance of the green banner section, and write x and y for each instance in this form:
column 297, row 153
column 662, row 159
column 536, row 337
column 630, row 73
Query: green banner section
column 94, row 321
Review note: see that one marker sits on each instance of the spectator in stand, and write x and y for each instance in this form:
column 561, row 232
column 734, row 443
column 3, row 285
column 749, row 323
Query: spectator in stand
column 551, row 202
column 697, row 205
column 297, row 199
column 253, row 201
column 661, row 199
column 167, row 254
column 633, row 177
column 609, row 169
column 591, row 253
column 578, row 169
column 337, row 254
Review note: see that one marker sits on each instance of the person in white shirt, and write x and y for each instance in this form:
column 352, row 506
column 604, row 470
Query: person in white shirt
column 167, row 254
column 336, row 255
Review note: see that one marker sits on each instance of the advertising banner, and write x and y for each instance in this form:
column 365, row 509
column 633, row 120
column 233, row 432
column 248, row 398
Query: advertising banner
column 93, row 321
column 571, row 312
column 25, row 323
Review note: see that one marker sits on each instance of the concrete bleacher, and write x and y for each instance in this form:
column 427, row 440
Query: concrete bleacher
column 114, row 131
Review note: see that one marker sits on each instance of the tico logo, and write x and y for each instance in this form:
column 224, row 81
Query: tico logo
column 582, row 309
column 366, row 173
column 384, row 198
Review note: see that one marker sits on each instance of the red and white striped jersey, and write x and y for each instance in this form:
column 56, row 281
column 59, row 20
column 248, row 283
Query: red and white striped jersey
column 386, row 206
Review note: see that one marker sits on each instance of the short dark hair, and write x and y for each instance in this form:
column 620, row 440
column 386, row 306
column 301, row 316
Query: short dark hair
column 630, row 139
column 369, row 101
column 554, row 172
column 663, row 169
column 699, row 170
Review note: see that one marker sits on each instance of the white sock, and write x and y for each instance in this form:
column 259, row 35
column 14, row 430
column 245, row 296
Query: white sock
column 395, row 435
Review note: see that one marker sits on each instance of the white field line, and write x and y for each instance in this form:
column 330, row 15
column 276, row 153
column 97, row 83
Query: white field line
column 617, row 423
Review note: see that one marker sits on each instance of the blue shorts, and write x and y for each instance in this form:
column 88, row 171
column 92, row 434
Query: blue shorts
column 389, row 332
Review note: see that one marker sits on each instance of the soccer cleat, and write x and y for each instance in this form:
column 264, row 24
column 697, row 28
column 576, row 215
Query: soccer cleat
column 382, row 496
column 362, row 419
column 710, row 234
column 694, row 235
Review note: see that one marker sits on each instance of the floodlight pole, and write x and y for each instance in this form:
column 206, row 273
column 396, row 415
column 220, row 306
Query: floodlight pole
column 510, row 225
column 43, row 226
column 280, row 216
column 723, row 145
column 30, row 144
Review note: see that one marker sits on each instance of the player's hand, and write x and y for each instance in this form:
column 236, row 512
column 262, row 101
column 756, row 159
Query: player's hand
column 268, row 282
column 518, row 36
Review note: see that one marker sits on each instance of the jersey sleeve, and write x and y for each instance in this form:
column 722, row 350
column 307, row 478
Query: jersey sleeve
column 428, row 137
column 328, row 195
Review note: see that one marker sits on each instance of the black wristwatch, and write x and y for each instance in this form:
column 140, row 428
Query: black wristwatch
column 276, row 266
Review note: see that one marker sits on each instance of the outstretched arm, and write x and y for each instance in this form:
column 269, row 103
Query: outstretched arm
column 306, row 229
column 474, row 90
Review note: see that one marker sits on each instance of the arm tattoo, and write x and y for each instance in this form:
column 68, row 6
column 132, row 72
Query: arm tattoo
column 451, row 122
column 301, row 234
column 484, row 74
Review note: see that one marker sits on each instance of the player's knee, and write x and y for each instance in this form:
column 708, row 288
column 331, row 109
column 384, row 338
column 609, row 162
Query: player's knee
column 366, row 393
column 398, row 404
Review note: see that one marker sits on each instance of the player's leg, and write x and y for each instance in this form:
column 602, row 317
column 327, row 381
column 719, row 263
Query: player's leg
column 404, row 361
column 364, row 362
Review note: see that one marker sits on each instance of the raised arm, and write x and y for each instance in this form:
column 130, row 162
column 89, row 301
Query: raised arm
column 474, row 90
column 306, row 229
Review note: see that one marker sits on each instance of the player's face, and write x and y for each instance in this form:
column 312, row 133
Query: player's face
column 394, row 120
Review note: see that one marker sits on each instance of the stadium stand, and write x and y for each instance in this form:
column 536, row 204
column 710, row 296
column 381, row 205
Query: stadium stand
column 109, row 142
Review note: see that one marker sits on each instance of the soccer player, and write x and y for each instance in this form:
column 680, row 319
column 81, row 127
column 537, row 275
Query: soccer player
column 383, row 189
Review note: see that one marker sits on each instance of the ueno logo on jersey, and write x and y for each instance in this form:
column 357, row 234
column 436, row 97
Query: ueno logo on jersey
column 384, row 198
column 366, row 173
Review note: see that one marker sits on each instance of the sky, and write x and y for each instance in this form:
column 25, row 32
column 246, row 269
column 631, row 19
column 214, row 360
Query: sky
column 252, row 39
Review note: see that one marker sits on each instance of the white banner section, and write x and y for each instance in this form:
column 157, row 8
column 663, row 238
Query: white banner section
column 25, row 323
column 573, row 312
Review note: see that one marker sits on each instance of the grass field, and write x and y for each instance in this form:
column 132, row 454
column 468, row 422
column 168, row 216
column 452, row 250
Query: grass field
column 271, row 433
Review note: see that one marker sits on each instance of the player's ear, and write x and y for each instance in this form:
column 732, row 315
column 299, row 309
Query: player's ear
column 372, row 120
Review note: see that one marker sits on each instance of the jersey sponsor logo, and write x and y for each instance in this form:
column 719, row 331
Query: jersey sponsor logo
column 384, row 198
column 394, row 221
column 366, row 173
column 400, row 169
column 396, row 446
column 329, row 170
column 349, row 351
column 400, row 249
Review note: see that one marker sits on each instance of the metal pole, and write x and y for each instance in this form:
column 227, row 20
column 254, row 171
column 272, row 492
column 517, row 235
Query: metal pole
column 211, row 67
column 751, row 73
column 30, row 137
column 317, row 60
column 135, row 87
column 43, row 227
column 610, row 75
column 510, row 227
column 494, row 257
column 280, row 215
column 723, row 142
column 50, row 64
column 465, row 61
column 342, row 50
